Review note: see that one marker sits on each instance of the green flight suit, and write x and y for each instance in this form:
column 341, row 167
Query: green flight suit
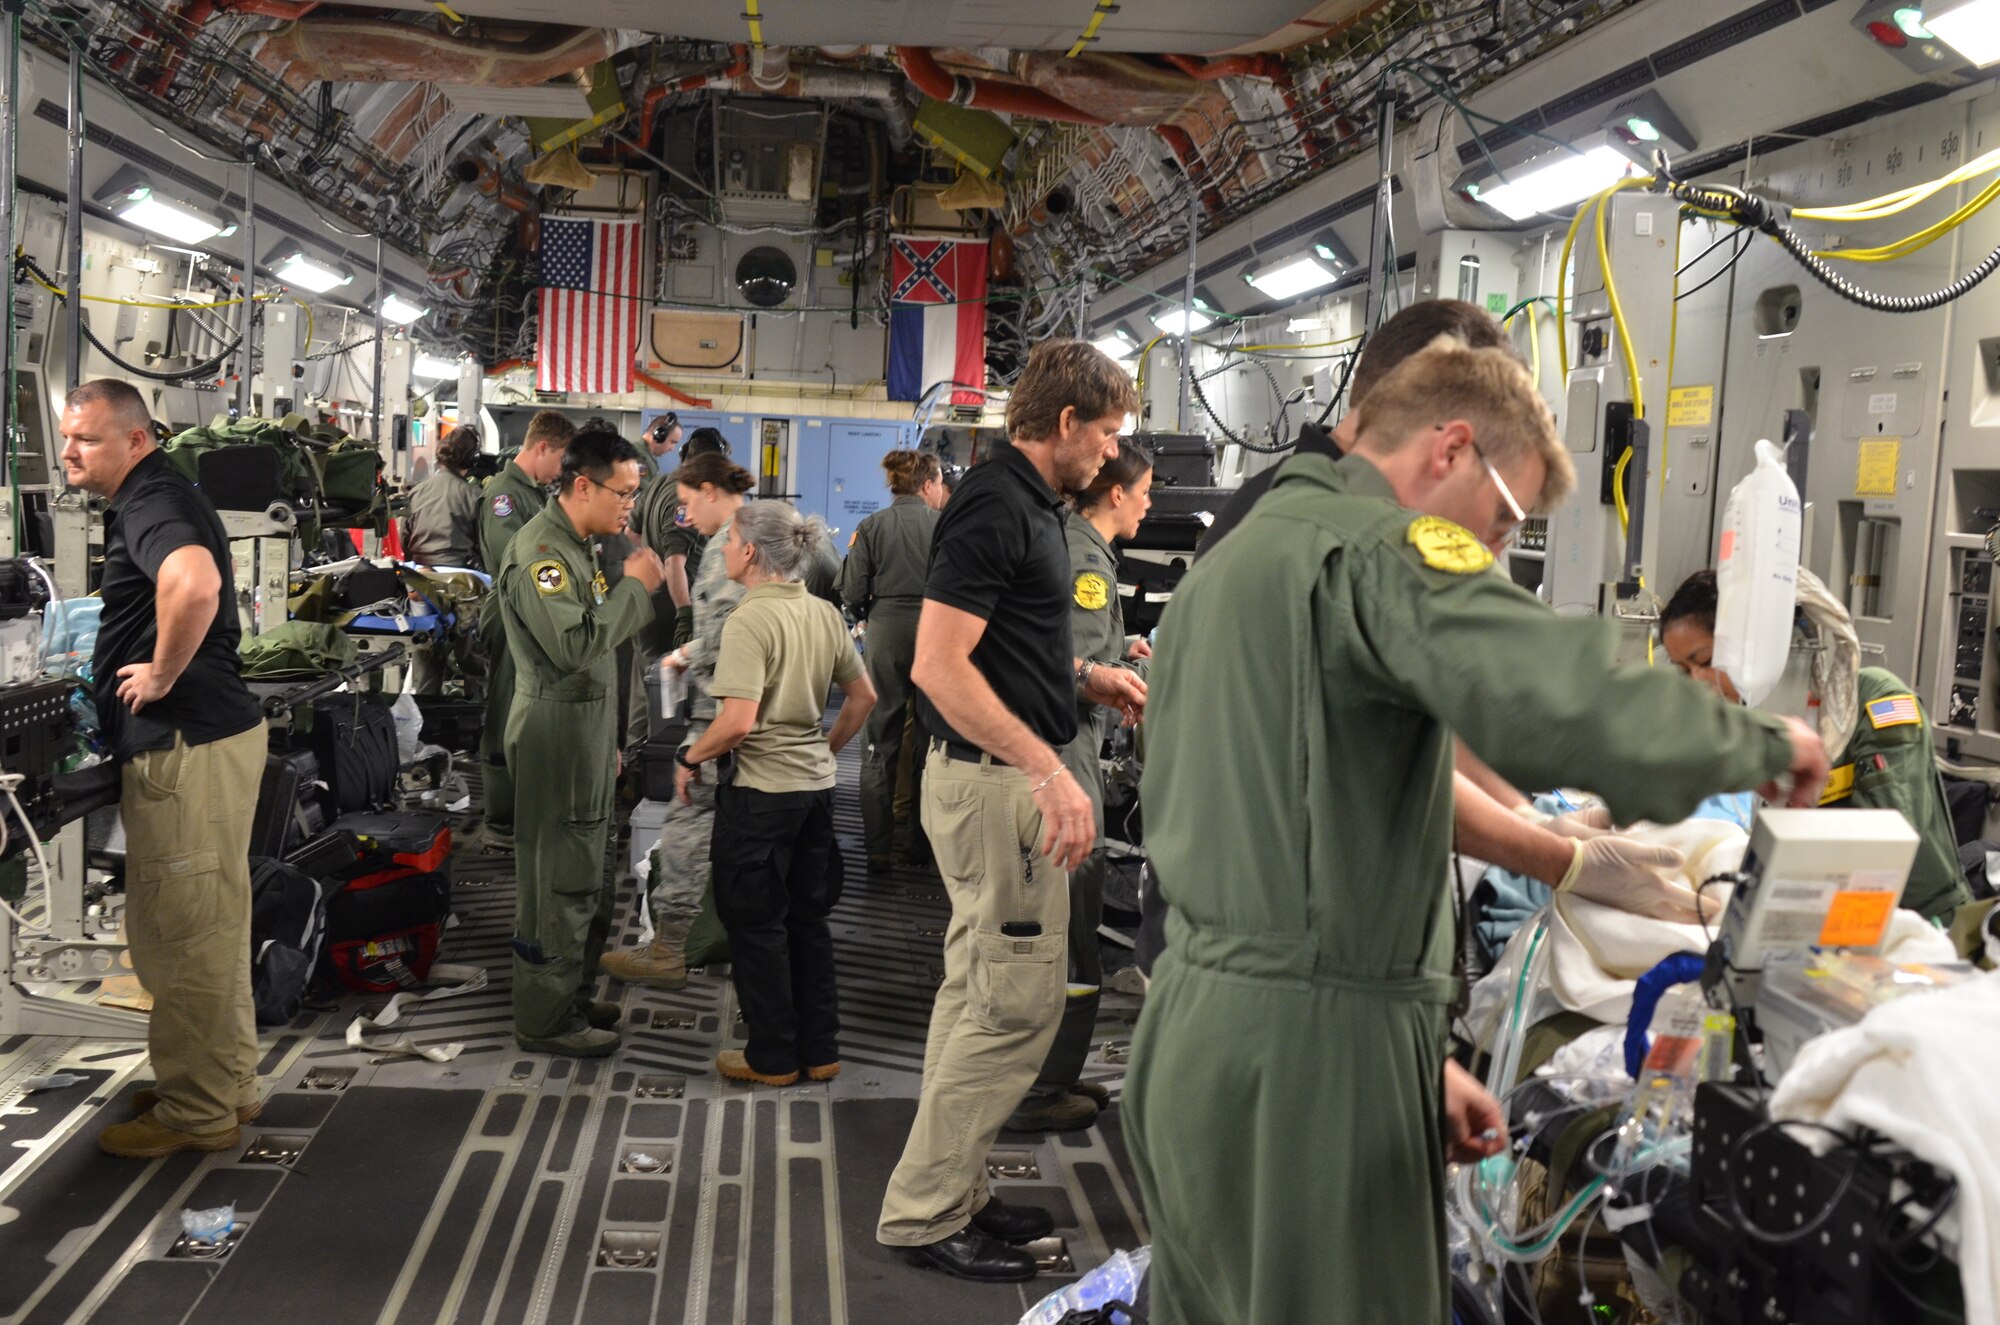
column 1097, row 632
column 564, row 625
column 510, row 500
column 1889, row 765
column 1284, row 1100
column 882, row 583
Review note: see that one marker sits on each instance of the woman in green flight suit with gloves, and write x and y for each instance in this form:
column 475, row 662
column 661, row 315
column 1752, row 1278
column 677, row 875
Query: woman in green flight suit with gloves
column 1886, row 764
column 1110, row 509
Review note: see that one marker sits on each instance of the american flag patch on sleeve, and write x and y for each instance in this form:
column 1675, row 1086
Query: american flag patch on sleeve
column 1894, row 711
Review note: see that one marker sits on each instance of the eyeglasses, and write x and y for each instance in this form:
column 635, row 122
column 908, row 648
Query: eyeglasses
column 1506, row 495
column 630, row 496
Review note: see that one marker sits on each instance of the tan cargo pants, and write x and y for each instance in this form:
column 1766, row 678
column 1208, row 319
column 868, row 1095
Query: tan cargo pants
column 1002, row 997
column 187, row 815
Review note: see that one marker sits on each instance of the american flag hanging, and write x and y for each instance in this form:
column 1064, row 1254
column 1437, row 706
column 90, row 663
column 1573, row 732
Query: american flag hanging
column 588, row 331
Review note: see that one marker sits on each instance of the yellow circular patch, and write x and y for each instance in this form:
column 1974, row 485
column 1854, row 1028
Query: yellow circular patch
column 549, row 577
column 1447, row 546
column 1092, row 591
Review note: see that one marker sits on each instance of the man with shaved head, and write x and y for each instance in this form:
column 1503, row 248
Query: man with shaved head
column 189, row 740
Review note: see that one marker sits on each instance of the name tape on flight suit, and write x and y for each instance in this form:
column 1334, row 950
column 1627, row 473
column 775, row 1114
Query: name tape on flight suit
column 549, row 577
column 1093, row 591
column 1447, row 546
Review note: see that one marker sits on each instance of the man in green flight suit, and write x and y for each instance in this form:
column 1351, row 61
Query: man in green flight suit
column 564, row 624
column 1290, row 1105
column 512, row 497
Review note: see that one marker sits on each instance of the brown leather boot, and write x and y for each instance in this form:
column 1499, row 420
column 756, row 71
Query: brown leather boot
column 661, row 964
column 147, row 1138
column 144, row 1100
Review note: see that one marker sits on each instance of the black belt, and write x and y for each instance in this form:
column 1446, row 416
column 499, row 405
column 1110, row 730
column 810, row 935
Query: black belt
column 970, row 754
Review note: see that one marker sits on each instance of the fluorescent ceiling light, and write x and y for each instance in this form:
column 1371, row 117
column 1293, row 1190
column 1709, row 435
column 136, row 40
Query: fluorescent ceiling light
column 1179, row 321
column 430, row 368
column 400, row 310
column 1910, row 20
column 1303, row 324
column 1972, row 28
column 295, row 268
column 1558, row 181
column 1117, row 347
column 1294, row 278
column 134, row 200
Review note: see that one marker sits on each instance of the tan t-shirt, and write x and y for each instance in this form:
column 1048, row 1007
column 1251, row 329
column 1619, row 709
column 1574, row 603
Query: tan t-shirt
column 784, row 649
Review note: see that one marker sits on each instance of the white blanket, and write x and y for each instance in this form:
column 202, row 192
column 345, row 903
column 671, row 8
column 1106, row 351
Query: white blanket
column 1920, row 1071
column 1597, row 952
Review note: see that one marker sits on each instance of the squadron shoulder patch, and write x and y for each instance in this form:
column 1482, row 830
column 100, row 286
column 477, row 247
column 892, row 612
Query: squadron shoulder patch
column 1447, row 546
column 1092, row 591
column 681, row 517
column 549, row 577
column 1894, row 711
column 503, row 505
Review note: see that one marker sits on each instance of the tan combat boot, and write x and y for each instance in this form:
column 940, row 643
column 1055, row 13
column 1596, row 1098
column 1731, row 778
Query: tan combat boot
column 661, row 964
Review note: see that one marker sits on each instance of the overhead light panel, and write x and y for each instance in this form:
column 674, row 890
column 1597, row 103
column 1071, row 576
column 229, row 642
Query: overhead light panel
column 1970, row 27
column 133, row 199
column 1555, row 181
column 1327, row 247
column 1291, row 279
column 1181, row 322
column 430, row 368
column 400, row 310
column 1116, row 347
column 293, row 267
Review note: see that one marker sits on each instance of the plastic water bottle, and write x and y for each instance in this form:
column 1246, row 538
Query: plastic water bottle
column 1117, row 1280
column 209, row 1225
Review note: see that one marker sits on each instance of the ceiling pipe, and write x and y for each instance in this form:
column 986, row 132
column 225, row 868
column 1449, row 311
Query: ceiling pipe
column 482, row 176
column 771, row 67
column 374, row 50
column 1240, row 66
column 291, row 11
column 985, row 93
column 197, row 13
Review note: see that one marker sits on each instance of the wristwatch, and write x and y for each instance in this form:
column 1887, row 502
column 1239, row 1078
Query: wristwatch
column 1083, row 671
column 681, row 758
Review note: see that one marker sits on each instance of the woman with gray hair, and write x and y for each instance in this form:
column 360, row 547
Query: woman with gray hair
column 776, row 867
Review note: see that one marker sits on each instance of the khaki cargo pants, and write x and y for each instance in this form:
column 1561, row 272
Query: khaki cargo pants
column 1002, row 997
column 187, row 814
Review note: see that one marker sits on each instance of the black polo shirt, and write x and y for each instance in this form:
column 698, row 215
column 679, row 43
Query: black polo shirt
column 156, row 513
column 1000, row 554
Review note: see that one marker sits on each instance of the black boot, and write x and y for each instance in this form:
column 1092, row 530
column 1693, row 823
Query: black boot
column 1013, row 1224
column 970, row 1254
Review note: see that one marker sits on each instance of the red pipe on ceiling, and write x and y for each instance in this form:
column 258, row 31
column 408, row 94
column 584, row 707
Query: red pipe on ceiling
column 1190, row 159
column 289, row 10
column 935, row 81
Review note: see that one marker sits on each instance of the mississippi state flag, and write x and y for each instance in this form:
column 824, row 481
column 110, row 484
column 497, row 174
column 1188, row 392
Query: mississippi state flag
column 588, row 331
column 937, row 318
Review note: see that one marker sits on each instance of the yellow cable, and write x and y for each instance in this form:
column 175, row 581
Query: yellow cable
column 309, row 324
column 1673, row 344
column 1617, row 310
column 756, row 22
column 1909, row 244
column 1103, row 10
column 144, row 303
column 447, row 11
column 1889, row 204
column 1145, row 353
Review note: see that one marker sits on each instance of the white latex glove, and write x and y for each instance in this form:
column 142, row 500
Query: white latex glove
column 1633, row 877
column 1591, row 821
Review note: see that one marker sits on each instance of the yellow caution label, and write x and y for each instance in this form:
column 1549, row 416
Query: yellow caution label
column 1875, row 467
column 1839, row 785
column 1447, row 546
column 1093, row 591
column 1691, row 407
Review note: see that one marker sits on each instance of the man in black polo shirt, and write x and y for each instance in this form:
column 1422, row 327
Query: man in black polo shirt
column 996, row 693
column 189, row 738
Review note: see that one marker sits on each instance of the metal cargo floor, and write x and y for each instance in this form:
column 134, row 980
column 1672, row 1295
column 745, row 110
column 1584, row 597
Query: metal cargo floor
column 511, row 1187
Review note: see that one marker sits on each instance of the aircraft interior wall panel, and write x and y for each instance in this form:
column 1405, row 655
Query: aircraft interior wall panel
column 1960, row 683
column 1871, row 380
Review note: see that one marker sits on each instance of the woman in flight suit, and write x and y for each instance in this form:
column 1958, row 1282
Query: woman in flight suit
column 882, row 583
column 1110, row 509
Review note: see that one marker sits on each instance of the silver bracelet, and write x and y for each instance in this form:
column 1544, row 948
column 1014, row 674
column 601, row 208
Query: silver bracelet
column 1047, row 780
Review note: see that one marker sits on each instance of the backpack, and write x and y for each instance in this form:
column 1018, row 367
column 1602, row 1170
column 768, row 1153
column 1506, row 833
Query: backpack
column 353, row 735
column 387, row 915
column 287, row 929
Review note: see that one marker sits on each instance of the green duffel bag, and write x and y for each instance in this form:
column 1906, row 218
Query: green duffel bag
column 298, row 479
column 350, row 473
column 295, row 650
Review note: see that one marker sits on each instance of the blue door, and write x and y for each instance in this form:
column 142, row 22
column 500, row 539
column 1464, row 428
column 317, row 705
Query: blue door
column 855, row 486
column 737, row 428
